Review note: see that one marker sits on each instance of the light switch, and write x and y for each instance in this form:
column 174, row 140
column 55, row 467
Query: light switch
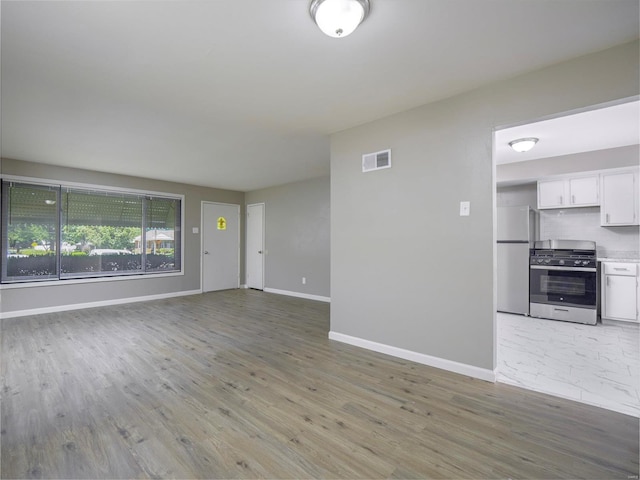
column 195, row 230
column 465, row 209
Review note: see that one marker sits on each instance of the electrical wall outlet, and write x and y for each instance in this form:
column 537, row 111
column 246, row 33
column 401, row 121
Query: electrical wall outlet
column 304, row 280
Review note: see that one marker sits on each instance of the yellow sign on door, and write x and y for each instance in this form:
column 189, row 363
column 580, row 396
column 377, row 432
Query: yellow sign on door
column 222, row 223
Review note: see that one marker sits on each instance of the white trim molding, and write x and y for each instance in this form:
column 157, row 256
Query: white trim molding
column 437, row 362
column 298, row 294
column 101, row 303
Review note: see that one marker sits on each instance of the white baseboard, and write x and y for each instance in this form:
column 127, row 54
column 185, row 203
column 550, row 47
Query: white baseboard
column 298, row 294
column 437, row 362
column 244, row 285
column 102, row 303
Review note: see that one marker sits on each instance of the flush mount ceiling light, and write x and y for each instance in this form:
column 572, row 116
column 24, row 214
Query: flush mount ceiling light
column 338, row 18
column 523, row 144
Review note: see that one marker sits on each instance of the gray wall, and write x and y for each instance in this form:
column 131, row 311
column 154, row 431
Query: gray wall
column 32, row 297
column 518, row 195
column 407, row 271
column 578, row 162
column 297, row 225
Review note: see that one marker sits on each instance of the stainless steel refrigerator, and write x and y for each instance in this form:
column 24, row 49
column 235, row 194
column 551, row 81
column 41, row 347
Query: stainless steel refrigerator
column 516, row 234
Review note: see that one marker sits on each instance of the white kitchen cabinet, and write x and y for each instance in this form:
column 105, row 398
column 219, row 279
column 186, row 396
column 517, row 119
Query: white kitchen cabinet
column 584, row 191
column 552, row 194
column 570, row 192
column 619, row 192
column 620, row 291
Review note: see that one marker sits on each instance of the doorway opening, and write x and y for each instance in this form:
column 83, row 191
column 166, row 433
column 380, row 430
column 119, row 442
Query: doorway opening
column 587, row 363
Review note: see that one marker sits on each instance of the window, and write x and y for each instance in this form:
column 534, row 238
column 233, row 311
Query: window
column 98, row 232
column 54, row 232
column 30, row 231
column 162, row 234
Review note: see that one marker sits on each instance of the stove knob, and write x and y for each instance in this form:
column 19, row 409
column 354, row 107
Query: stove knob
column 548, row 261
column 585, row 262
column 540, row 260
column 578, row 262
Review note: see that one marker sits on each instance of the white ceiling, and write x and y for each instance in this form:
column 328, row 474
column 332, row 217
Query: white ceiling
column 242, row 94
column 598, row 129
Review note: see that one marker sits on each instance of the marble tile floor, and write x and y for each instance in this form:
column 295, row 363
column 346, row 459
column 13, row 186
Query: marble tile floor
column 594, row 364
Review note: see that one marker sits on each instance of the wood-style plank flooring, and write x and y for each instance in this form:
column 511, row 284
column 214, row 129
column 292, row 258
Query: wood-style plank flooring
column 245, row 384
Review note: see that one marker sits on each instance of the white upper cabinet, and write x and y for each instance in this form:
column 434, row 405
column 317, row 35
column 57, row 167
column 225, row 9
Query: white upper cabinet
column 619, row 198
column 584, row 191
column 552, row 194
column 569, row 192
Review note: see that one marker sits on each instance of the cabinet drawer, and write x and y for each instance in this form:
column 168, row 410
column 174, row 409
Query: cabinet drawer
column 629, row 269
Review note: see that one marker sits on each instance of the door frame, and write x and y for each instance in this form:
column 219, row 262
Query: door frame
column 264, row 251
column 202, row 204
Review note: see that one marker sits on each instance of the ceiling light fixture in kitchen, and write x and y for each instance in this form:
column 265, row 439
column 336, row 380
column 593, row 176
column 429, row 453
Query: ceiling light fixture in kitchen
column 339, row 18
column 523, row 144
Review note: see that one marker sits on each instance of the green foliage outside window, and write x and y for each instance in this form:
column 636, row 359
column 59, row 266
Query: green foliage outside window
column 26, row 236
column 98, row 236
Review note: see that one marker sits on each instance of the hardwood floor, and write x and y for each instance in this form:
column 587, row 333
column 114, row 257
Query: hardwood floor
column 244, row 384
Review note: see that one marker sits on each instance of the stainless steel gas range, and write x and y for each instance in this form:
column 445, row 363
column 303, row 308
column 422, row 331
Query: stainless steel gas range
column 563, row 281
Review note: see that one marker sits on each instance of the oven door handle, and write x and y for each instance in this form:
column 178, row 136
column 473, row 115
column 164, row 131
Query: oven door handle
column 566, row 269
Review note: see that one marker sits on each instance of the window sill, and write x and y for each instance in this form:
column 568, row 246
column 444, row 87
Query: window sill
column 73, row 281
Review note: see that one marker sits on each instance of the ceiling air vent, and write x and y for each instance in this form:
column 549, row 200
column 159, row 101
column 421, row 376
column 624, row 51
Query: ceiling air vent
column 376, row 161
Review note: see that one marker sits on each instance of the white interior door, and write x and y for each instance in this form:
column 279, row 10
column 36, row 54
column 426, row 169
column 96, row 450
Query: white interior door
column 220, row 246
column 255, row 246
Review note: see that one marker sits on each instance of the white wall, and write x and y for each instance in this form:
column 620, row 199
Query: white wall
column 578, row 162
column 408, row 273
column 584, row 224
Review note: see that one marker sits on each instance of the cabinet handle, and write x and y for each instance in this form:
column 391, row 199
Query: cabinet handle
column 606, row 217
column 573, row 199
column 607, row 281
column 560, row 310
column 560, row 199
